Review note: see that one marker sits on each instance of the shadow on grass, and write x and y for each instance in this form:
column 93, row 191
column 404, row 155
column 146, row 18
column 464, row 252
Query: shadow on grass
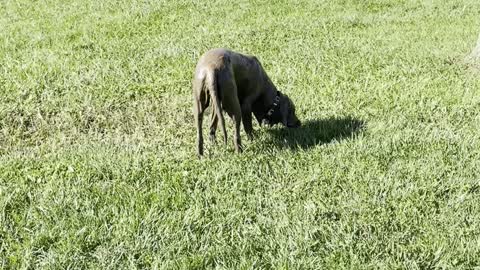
column 317, row 132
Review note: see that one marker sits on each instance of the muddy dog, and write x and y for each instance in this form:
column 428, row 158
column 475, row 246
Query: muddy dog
column 239, row 85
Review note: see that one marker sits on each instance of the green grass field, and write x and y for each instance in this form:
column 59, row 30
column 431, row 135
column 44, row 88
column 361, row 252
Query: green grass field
column 97, row 141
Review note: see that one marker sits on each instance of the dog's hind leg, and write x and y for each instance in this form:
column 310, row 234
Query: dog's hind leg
column 217, row 104
column 198, row 114
column 213, row 126
column 235, row 113
column 231, row 104
column 237, row 119
column 200, row 103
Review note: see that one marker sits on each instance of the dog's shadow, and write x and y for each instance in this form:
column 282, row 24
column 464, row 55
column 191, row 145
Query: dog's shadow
column 316, row 132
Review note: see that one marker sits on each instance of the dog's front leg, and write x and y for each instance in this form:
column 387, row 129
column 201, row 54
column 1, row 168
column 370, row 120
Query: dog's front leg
column 247, row 116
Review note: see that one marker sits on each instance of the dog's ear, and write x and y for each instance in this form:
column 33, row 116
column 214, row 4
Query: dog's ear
column 284, row 109
column 287, row 110
column 258, row 111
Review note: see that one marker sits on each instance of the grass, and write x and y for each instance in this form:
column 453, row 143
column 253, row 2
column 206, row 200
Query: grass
column 97, row 142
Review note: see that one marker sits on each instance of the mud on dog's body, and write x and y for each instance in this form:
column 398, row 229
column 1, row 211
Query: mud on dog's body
column 237, row 84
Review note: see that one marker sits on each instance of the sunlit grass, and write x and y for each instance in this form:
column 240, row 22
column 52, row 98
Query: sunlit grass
column 97, row 142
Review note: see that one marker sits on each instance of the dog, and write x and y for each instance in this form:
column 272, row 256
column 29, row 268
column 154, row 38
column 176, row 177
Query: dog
column 238, row 84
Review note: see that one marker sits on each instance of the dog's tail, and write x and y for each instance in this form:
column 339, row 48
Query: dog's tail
column 216, row 101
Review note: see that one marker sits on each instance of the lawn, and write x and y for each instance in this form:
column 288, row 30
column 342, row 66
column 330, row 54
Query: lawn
column 98, row 166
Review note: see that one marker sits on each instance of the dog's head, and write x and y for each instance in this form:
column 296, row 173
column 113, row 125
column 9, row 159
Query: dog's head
column 287, row 110
column 285, row 114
